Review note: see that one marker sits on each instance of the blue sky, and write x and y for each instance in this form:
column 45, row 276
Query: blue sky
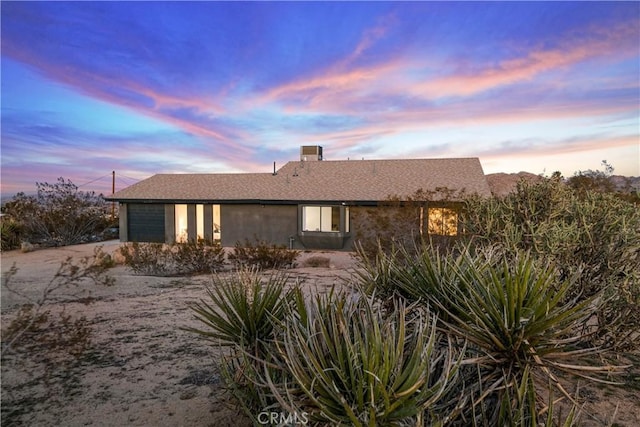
column 159, row 87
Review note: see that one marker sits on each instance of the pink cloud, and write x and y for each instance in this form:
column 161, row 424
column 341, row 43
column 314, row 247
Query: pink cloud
column 613, row 43
column 344, row 88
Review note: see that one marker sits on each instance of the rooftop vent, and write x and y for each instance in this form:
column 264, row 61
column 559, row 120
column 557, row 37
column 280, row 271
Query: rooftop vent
column 310, row 153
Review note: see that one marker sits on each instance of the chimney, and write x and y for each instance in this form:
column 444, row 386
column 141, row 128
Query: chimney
column 310, row 153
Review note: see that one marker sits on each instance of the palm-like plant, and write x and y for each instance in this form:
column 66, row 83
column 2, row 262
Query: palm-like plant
column 356, row 366
column 243, row 310
column 517, row 319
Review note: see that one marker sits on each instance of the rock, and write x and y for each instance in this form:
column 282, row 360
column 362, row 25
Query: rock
column 26, row 247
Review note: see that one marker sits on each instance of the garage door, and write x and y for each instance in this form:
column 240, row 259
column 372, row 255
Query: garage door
column 145, row 222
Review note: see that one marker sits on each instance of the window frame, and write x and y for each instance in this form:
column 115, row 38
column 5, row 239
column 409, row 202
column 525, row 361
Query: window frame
column 330, row 219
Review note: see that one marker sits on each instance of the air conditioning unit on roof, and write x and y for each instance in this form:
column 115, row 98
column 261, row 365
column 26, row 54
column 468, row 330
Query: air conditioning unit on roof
column 310, row 153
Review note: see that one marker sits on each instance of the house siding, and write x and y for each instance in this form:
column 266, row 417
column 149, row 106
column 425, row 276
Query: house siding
column 272, row 223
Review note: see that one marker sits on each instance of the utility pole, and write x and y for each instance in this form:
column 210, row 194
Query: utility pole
column 113, row 190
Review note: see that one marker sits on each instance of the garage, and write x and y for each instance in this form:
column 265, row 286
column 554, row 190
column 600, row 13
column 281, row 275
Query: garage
column 145, row 222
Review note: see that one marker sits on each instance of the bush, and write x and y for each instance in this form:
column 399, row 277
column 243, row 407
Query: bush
column 262, row 255
column 405, row 223
column 200, row 256
column 317, row 261
column 244, row 313
column 158, row 259
column 356, row 365
column 45, row 348
column 516, row 315
column 336, row 359
column 591, row 234
column 148, row 259
column 59, row 214
column 10, row 232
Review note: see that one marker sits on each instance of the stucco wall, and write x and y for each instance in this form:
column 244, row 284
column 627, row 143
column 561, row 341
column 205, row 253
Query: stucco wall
column 274, row 224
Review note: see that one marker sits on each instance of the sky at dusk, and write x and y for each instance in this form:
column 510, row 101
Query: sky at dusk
column 215, row 87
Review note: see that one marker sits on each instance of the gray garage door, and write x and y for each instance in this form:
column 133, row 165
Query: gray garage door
column 146, row 222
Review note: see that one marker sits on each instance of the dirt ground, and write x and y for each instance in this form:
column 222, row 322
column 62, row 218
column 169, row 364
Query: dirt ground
column 144, row 370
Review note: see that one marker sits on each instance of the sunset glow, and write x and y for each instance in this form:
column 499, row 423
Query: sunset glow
column 169, row 87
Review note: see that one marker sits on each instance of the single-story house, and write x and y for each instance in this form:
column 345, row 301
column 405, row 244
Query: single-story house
column 309, row 203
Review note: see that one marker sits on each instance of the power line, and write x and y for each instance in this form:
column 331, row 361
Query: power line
column 128, row 177
column 92, row 181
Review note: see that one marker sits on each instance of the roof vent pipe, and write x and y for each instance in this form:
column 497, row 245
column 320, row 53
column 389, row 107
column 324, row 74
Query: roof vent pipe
column 274, row 169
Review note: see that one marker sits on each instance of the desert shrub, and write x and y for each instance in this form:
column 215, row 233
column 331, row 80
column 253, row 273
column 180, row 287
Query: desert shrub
column 593, row 233
column 58, row 214
column 403, row 221
column 243, row 312
column 317, row 261
column 243, row 309
column 335, row 358
column 197, row 256
column 262, row 255
column 516, row 315
column 357, row 365
column 604, row 182
column 10, row 232
column 45, row 348
column 145, row 258
column 158, row 259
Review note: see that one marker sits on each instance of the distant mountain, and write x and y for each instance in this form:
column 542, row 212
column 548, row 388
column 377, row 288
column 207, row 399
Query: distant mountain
column 502, row 184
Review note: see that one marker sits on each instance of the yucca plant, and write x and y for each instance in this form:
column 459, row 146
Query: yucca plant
column 356, row 366
column 516, row 318
column 243, row 310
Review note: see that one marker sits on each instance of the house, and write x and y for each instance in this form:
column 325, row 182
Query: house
column 308, row 203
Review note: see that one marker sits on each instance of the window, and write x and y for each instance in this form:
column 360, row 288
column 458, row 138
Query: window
column 443, row 221
column 321, row 218
column 200, row 221
column 181, row 223
column 216, row 222
column 346, row 219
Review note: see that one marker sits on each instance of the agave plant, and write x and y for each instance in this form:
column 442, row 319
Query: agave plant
column 356, row 366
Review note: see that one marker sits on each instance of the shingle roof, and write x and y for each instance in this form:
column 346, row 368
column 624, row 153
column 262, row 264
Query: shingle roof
column 343, row 181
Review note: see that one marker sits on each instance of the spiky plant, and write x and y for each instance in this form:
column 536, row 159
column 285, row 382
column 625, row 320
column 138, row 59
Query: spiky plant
column 357, row 366
column 243, row 310
column 516, row 317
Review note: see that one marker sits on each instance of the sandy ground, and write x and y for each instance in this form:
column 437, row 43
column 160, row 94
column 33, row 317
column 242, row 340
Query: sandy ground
column 144, row 370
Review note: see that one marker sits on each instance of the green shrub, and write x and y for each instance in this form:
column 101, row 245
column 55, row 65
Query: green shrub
column 359, row 366
column 336, row 358
column 243, row 312
column 243, row 309
column 515, row 314
column 10, row 233
column 262, row 255
column 592, row 235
